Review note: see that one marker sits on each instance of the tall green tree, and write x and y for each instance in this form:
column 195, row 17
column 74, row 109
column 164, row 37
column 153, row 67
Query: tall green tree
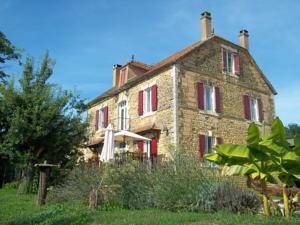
column 7, row 52
column 40, row 121
column 292, row 130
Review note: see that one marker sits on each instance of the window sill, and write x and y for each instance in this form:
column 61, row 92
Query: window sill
column 231, row 75
column 256, row 122
column 148, row 114
column 210, row 113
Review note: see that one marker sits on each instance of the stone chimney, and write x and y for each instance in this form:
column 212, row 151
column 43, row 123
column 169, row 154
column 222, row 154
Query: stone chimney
column 206, row 30
column 244, row 36
column 116, row 74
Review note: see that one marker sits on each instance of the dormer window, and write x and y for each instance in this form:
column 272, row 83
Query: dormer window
column 230, row 61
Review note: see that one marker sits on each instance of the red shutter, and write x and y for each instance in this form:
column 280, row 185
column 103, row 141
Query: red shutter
column 218, row 99
column 154, row 97
column 260, row 110
column 246, row 100
column 97, row 120
column 236, row 59
column 140, row 103
column 154, row 147
column 105, row 116
column 140, row 147
column 224, row 60
column 219, row 140
column 123, row 76
column 200, row 95
column 201, row 145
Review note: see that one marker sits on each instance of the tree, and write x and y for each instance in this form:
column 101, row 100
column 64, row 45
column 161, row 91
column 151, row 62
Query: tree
column 40, row 121
column 7, row 52
column 292, row 130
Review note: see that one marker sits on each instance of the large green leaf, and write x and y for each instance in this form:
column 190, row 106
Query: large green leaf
column 253, row 136
column 291, row 156
column 279, row 132
column 233, row 151
column 272, row 147
column 297, row 197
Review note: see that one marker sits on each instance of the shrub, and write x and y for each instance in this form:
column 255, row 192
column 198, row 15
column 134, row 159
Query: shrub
column 12, row 185
column 181, row 184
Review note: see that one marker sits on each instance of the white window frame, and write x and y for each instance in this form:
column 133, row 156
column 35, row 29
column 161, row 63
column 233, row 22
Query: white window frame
column 147, row 101
column 230, row 52
column 123, row 120
column 212, row 98
column 254, row 112
column 101, row 118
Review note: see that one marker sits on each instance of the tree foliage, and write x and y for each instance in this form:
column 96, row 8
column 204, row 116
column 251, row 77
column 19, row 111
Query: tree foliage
column 7, row 52
column 38, row 120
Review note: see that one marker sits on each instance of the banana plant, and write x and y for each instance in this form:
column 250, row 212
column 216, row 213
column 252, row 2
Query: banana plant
column 287, row 159
column 250, row 159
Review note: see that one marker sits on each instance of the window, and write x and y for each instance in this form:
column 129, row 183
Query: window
column 148, row 100
column 209, row 143
column 231, row 61
column 101, row 118
column 253, row 109
column 208, row 98
column 123, row 115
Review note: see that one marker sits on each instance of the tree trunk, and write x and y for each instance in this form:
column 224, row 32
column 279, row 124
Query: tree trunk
column 265, row 197
column 285, row 202
column 26, row 184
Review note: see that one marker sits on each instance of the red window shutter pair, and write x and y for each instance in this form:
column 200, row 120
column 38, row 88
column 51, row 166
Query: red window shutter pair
column 202, row 144
column 236, row 61
column 200, row 97
column 246, row 100
column 153, row 147
column 153, row 99
column 105, row 116
column 97, row 120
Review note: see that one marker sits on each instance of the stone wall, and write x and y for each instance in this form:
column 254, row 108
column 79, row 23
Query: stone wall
column 204, row 64
column 161, row 119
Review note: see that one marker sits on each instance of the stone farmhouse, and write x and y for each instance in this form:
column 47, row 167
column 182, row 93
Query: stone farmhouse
column 205, row 94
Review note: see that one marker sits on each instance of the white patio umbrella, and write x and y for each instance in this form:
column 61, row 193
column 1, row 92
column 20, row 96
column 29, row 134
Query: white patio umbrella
column 125, row 135
column 108, row 145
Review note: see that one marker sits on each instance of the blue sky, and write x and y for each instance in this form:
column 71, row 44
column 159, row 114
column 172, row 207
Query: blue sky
column 86, row 38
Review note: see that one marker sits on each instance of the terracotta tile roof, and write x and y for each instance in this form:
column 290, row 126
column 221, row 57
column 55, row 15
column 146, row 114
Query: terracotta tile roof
column 177, row 55
column 141, row 65
column 153, row 68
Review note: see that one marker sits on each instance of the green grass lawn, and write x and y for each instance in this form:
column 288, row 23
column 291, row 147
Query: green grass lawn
column 21, row 210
